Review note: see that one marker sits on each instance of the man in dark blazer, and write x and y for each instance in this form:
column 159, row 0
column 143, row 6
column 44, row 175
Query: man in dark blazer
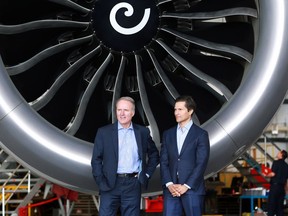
column 278, row 182
column 183, row 160
column 124, row 158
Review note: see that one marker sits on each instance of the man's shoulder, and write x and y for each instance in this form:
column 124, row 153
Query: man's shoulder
column 140, row 127
column 193, row 127
column 107, row 127
column 171, row 129
column 198, row 128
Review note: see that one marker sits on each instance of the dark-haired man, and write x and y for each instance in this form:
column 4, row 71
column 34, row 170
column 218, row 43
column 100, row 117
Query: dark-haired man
column 183, row 161
column 278, row 181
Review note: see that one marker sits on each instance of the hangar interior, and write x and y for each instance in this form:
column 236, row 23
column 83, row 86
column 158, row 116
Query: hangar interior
column 22, row 189
column 64, row 63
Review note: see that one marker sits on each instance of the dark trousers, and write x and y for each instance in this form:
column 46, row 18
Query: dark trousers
column 276, row 200
column 126, row 195
column 190, row 204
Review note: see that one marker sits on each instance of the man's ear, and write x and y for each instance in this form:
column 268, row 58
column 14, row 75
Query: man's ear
column 191, row 112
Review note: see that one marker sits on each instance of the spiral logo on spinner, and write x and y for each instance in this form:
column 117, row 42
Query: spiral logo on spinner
column 125, row 26
column 129, row 12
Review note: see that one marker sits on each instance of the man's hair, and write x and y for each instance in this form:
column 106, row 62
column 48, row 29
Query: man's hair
column 126, row 98
column 189, row 102
column 284, row 154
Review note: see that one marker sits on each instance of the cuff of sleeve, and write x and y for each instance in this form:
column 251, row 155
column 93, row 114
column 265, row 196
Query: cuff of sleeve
column 187, row 186
column 169, row 183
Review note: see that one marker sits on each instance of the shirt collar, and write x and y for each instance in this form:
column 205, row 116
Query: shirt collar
column 120, row 127
column 186, row 127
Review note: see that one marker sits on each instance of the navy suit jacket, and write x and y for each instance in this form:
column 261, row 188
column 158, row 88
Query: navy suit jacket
column 105, row 155
column 190, row 164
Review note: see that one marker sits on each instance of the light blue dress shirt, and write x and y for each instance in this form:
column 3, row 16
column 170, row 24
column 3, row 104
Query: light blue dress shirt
column 182, row 133
column 128, row 161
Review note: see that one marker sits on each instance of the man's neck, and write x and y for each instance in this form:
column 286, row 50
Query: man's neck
column 183, row 124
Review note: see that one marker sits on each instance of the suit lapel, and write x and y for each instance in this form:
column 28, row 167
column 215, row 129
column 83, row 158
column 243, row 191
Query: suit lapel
column 174, row 140
column 115, row 139
column 190, row 136
column 138, row 140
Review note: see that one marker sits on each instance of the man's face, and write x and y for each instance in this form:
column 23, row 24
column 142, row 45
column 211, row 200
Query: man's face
column 279, row 155
column 124, row 112
column 182, row 115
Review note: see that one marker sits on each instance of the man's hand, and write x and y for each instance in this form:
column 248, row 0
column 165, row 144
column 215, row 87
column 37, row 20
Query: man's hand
column 181, row 189
column 177, row 189
column 173, row 190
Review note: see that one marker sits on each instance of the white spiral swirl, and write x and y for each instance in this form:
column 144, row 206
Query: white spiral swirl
column 129, row 12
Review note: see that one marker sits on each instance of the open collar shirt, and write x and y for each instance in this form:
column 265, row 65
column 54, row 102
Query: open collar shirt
column 128, row 160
